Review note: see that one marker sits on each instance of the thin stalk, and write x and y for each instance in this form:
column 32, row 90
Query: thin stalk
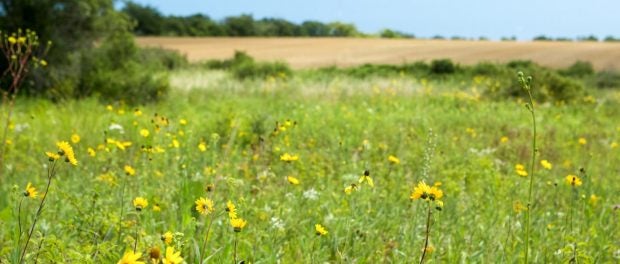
column 50, row 175
column 528, row 213
column 428, row 232
column 204, row 244
column 235, row 250
column 19, row 219
column 36, row 258
column 135, row 245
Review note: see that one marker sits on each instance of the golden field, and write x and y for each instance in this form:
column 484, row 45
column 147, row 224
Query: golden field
column 317, row 52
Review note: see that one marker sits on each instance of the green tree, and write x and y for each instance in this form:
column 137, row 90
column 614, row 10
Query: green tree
column 240, row 26
column 148, row 20
column 339, row 29
column 314, row 29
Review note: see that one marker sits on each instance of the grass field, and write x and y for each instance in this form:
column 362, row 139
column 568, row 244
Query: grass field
column 317, row 52
column 228, row 141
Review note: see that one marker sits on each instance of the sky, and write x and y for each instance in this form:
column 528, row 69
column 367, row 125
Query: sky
column 493, row 19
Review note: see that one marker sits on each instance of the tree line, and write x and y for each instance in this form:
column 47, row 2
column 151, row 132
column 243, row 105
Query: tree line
column 150, row 22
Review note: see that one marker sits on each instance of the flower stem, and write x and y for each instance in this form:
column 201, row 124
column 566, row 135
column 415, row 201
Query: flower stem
column 204, row 244
column 135, row 245
column 428, row 232
column 50, row 175
column 235, row 250
column 528, row 212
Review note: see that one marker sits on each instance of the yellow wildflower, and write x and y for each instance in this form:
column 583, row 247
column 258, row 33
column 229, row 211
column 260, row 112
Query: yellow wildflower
column 394, row 160
column 75, row 138
column 52, row 156
column 140, row 203
column 204, row 205
column 202, row 147
column 183, row 122
column 231, row 209
column 573, row 180
column 349, row 189
column 288, row 157
column 292, row 180
column 582, row 141
column 67, row 151
column 172, row 257
column 421, row 191
column 238, row 224
column 167, row 238
column 129, row 170
column 137, row 112
column 144, row 132
column 91, row 152
column 520, row 169
column 320, row 230
column 366, row 178
column 503, row 139
column 30, row 191
column 156, row 208
column 546, row 164
column 130, row 258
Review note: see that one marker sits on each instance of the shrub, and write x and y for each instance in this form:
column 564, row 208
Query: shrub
column 168, row 59
column 607, row 79
column 240, row 57
column 442, row 66
column 579, row 69
column 115, row 71
column 250, row 70
column 488, row 69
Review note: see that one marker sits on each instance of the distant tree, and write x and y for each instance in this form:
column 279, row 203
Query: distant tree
column 388, row 33
column 148, row 20
column 511, row 38
column 611, row 39
column 438, row 37
column 339, row 29
column 565, row 39
column 276, row 27
column 201, row 25
column 588, row 38
column 542, row 38
column 240, row 26
column 314, row 29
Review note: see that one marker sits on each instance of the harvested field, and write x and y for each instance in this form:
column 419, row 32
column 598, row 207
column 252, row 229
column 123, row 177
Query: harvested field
column 317, row 52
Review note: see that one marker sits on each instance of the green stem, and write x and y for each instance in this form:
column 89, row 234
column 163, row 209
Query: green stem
column 204, row 244
column 428, row 231
column 235, row 250
column 532, row 166
column 50, row 175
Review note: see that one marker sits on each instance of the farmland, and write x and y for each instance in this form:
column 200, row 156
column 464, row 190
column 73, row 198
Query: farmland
column 320, row 52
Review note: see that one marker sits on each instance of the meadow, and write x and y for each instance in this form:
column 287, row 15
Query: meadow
column 316, row 170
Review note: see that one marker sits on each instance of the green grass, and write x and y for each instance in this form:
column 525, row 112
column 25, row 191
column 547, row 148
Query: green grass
column 333, row 117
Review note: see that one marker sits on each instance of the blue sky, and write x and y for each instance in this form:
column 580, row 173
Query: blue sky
column 426, row 18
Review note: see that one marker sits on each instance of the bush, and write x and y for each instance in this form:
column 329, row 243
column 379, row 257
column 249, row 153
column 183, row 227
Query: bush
column 168, row 59
column 240, row 57
column 488, row 69
column 442, row 66
column 118, row 70
column 579, row 69
column 250, row 70
column 607, row 79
